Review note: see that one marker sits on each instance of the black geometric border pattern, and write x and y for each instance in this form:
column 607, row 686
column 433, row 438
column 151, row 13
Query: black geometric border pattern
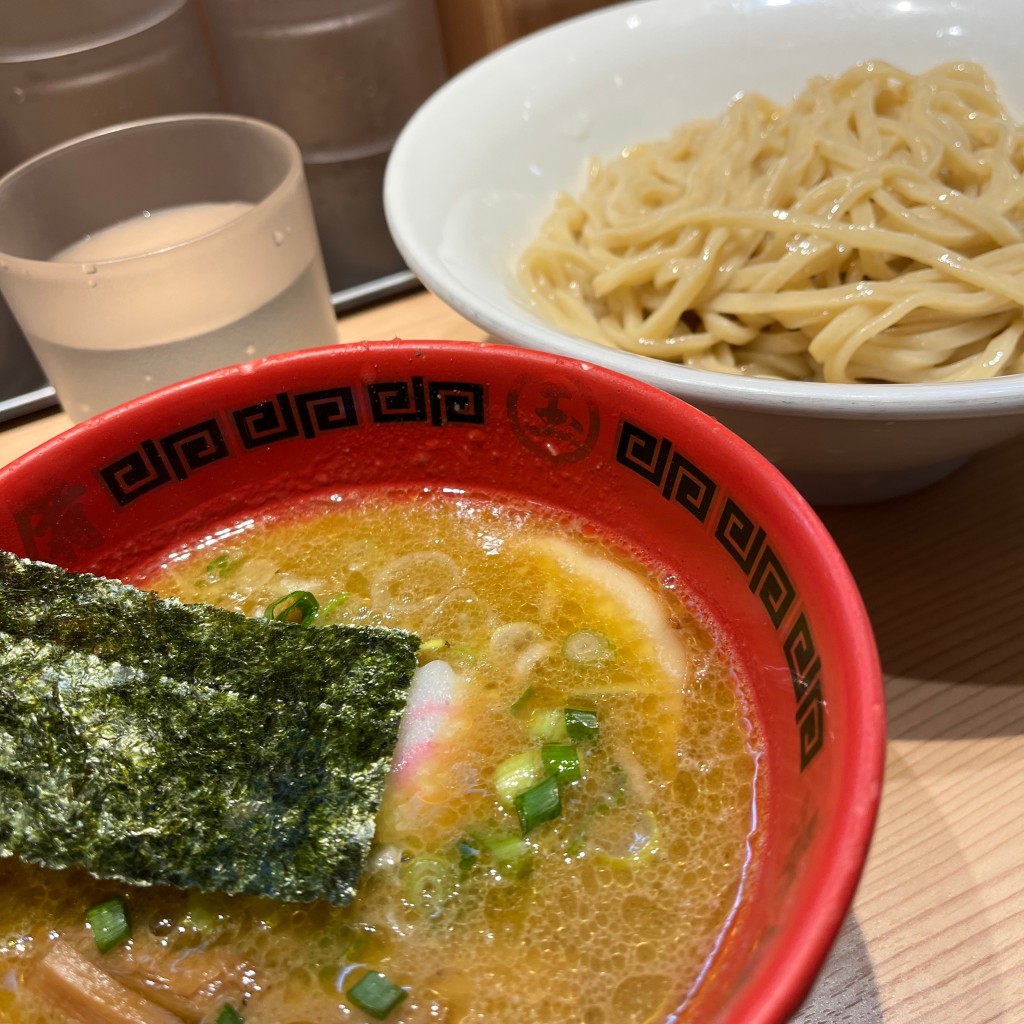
column 442, row 401
column 287, row 415
column 655, row 460
column 155, row 463
column 306, row 413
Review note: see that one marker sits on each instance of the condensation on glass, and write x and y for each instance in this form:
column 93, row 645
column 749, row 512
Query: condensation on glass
column 70, row 66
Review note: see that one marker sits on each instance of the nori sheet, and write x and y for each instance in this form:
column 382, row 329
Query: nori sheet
column 158, row 742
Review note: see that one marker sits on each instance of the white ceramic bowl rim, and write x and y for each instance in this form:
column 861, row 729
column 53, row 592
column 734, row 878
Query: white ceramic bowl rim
column 952, row 400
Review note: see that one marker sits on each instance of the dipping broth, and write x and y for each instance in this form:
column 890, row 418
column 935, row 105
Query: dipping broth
column 608, row 913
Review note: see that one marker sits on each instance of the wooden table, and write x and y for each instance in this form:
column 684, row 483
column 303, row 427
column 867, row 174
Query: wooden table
column 936, row 934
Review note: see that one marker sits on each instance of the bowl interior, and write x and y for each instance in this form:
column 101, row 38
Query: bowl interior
column 476, row 169
column 674, row 486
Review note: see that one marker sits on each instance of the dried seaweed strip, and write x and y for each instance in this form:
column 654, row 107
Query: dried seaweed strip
column 162, row 743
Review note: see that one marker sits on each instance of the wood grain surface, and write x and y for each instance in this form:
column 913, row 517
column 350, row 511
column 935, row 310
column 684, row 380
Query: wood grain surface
column 936, row 933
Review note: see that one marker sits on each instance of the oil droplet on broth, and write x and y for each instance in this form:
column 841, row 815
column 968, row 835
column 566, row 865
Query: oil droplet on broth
column 638, row 1000
column 630, row 939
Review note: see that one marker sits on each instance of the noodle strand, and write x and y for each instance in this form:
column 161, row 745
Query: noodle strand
column 871, row 230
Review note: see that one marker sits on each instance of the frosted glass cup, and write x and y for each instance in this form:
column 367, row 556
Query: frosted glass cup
column 149, row 252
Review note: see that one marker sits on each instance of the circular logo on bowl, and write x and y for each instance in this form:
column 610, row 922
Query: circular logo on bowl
column 554, row 417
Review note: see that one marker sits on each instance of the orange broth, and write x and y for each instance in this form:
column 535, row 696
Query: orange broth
column 613, row 910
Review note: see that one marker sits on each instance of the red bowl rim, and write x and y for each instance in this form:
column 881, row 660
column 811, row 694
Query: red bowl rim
column 784, row 977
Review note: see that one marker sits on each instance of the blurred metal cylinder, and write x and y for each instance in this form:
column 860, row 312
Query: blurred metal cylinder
column 69, row 66
column 341, row 77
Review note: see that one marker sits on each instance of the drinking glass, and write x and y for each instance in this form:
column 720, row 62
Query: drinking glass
column 151, row 251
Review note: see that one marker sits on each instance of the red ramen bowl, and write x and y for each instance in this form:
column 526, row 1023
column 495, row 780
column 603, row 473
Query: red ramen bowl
column 113, row 493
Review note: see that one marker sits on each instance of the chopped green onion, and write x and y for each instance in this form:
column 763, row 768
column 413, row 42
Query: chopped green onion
column 376, row 994
column 428, row 883
column 512, row 853
column 109, row 924
column 539, row 804
column 562, row 761
column 299, row 606
column 468, row 856
column 431, row 650
column 548, row 725
column 518, row 773
column 202, row 915
column 229, row 1015
column 588, row 648
column 580, row 724
column 218, row 568
column 522, row 700
column 338, row 601
column 457, row 655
